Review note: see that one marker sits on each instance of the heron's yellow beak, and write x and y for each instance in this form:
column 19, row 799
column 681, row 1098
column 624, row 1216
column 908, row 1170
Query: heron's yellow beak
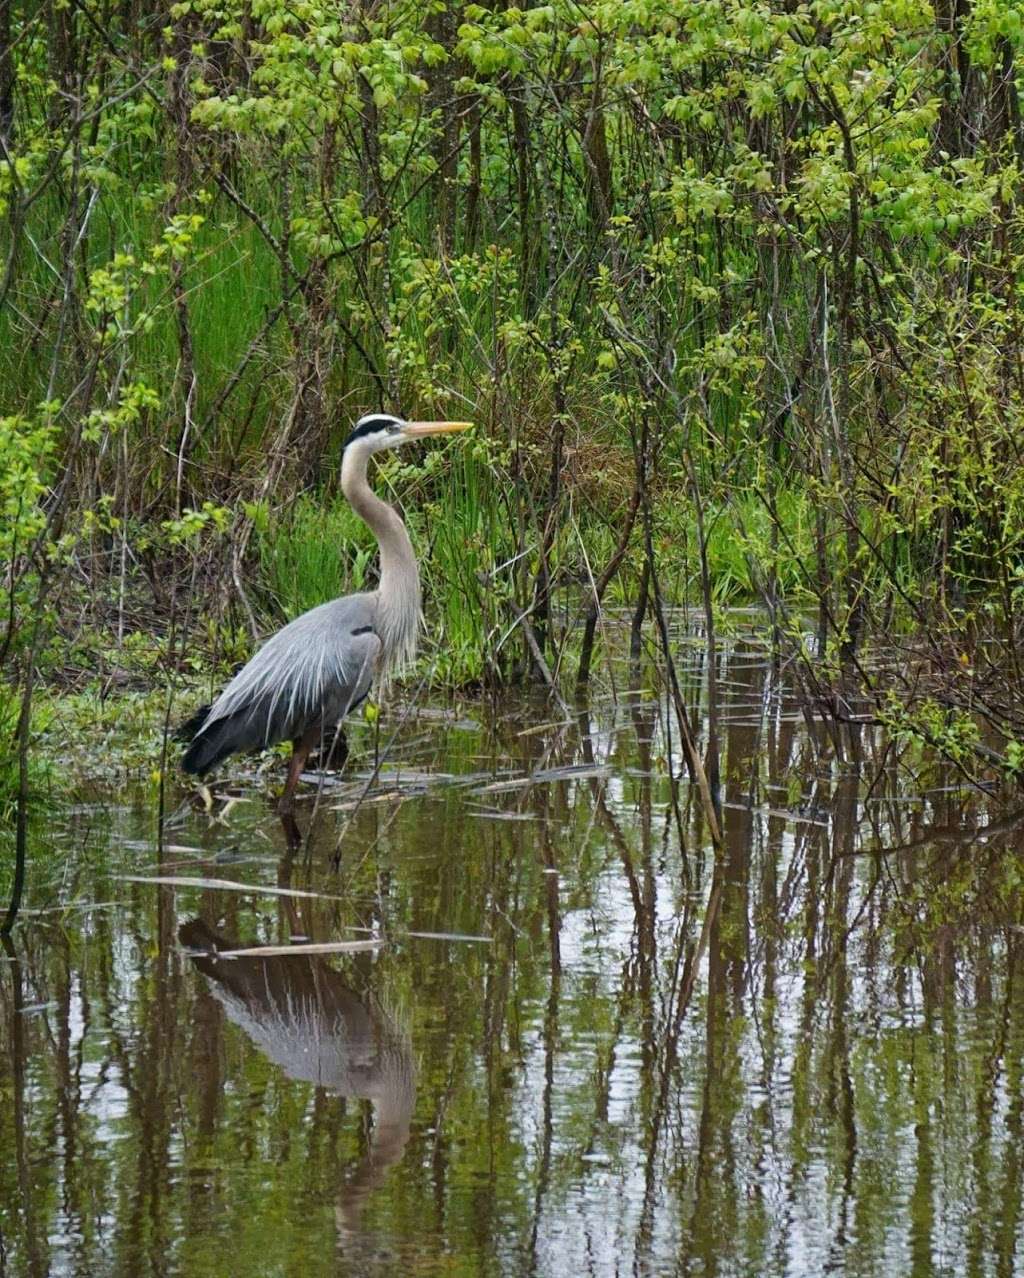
column 415, row 429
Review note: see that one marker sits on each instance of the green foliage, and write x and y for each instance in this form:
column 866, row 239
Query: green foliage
column 466, row 589
column 767, row 257
column 26, row 450
column 92, row 738
column 952, row 733
column 41, row 770
column 194, row 523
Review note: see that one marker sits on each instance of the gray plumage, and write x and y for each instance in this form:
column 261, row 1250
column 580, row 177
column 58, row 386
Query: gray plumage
column 304, row 680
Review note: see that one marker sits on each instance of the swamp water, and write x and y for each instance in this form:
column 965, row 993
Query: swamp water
column 801, row 1057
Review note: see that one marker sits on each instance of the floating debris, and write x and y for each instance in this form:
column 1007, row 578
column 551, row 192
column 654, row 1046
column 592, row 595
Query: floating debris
column 69, row 907
column 304, row 947
column 572, row 772
column 496, row 814
column 222, row 885
column 381, row 796
column 787, row 814
column 540, row 728
column 149, row 845
column 396, row 774
column 446, row 936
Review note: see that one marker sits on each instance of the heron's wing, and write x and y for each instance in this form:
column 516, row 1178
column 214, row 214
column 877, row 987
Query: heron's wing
column 313, row 671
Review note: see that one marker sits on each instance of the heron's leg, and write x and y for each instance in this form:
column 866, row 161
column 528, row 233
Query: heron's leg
column 292, row 833
column 300, row 753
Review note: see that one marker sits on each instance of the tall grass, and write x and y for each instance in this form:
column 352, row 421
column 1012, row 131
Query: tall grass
column 742, row 549
column 314, row 551
column 468, row 587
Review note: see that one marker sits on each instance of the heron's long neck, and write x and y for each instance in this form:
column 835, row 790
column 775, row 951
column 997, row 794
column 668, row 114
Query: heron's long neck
column 399, row 590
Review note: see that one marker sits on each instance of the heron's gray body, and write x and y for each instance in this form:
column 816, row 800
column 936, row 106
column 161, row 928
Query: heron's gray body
column 298, row 686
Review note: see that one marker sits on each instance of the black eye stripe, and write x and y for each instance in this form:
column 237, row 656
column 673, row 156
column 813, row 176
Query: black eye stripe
column 372, row 424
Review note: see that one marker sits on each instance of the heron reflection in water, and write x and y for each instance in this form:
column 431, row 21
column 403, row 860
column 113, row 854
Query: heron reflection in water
column 303, row 1016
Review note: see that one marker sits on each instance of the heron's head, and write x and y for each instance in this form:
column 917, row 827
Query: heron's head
column 377, row 431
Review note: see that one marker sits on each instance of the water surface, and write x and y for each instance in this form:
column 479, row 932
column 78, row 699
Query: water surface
column 800, row 1055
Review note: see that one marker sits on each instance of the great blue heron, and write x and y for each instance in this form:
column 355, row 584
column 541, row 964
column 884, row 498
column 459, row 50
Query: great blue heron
column 304, row 680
